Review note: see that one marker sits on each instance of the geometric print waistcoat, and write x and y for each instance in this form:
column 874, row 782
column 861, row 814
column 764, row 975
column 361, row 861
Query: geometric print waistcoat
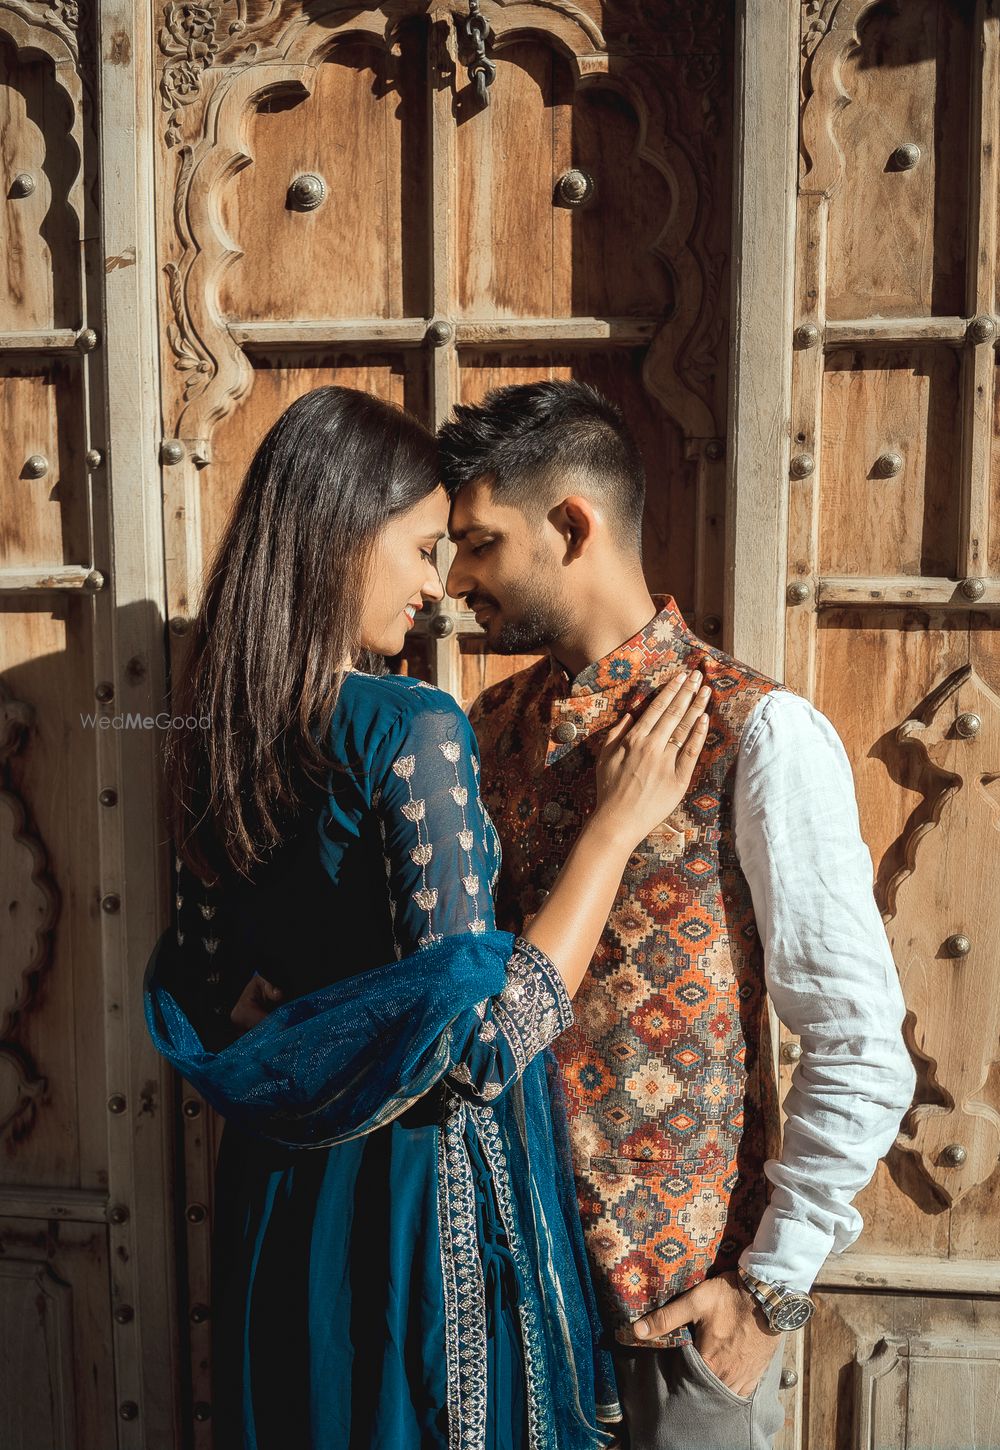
column 667, row 1070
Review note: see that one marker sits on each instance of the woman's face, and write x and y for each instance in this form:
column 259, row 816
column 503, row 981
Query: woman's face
column 403, row 574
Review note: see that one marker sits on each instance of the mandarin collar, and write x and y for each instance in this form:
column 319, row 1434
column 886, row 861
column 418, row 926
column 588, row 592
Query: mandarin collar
column 626, row 665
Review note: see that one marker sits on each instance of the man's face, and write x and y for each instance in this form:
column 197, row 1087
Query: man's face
column 507, row 569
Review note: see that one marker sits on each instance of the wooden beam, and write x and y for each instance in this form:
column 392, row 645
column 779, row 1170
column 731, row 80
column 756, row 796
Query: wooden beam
column 623, row 331
column 833, row 592
column 980, row 364
column 898, row 1271
column 132, row 860
column 352, row 333
column 41, row 580
column 902, row 330
column 48, row 340
column 763, row 254
column 443, row 363
column 368, row 332
column 70, row 1205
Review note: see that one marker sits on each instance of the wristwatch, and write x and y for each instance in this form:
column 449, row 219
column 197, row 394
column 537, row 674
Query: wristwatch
column 784, row 1309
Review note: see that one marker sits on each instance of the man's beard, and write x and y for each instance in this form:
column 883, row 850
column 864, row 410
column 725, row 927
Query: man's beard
column 543, row 618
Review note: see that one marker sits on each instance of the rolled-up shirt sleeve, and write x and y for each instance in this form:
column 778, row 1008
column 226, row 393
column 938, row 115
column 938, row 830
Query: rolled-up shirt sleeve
column 831, row 978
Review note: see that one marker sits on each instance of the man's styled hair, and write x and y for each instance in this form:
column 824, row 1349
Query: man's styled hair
column 523, row 439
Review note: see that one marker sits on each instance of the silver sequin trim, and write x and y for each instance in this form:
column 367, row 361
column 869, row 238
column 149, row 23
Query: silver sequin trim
column 533, row 1007
column 464, row 1290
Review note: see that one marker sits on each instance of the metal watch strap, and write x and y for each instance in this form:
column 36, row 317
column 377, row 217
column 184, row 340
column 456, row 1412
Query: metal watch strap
column 773, row 1298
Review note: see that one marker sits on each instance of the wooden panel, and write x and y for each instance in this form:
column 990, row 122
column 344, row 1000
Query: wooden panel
column 520, row 252
column 36, row 1371
column 56, row 1376
column 670, row 521
column 39, row 278
column 42, row 520
column 509, row 156
column 878, row 403
column 908, row 653
column 903, row 1372
column 897, row 237
column 44, row 654
column 362, row 253
column 614, row 267
column 278, row 381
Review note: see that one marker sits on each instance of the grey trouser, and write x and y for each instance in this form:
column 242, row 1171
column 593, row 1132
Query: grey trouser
column 673, row 1401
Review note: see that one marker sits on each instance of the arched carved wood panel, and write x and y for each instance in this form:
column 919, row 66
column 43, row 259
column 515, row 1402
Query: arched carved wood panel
column 435, row 210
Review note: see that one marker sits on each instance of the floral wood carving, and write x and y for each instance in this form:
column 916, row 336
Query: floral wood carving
column 193, row 35
column 60, row 18
column 29, row 906
column 830, row 38
column 188, row 38
column 943, row 919
column 816, row 18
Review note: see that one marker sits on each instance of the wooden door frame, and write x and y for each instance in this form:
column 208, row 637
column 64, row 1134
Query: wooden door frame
column 765, row 169
column 131, row 653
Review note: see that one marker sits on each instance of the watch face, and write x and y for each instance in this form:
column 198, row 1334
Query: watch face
column 792, row 1313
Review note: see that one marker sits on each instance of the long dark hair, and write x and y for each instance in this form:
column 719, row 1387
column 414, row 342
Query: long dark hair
column 279, row 615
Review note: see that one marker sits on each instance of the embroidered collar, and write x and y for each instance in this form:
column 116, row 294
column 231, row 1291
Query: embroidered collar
column 629, row 665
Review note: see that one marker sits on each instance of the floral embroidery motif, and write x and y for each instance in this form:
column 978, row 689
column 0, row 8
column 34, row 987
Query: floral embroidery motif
column 490, row 1090
column 533, row 1007
column 426, row 897
column 464, row 1289
column 541, row 1426
column 452, row 751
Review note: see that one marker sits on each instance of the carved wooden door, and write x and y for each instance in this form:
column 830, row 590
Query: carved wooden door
column 87, row 1334
column 893, row 582
column 336, row 204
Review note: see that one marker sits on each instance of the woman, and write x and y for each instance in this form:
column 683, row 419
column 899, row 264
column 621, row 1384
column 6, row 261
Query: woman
column 413, row 1280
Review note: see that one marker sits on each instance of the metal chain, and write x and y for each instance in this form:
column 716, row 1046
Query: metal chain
column 481, row 68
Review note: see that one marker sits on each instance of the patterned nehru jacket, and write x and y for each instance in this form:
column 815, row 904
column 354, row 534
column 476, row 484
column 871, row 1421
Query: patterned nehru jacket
column 667, row 1070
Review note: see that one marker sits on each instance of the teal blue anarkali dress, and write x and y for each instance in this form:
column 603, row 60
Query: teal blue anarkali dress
column 397, row 1259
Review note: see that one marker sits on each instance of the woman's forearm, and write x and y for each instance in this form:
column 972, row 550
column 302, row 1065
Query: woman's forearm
column 569, row 923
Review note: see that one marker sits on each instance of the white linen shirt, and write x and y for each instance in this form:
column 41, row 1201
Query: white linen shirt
column 831, row 978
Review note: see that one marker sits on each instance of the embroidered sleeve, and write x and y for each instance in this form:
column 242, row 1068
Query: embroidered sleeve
column 441, row 860
column 439, row 846
column 534, row 1007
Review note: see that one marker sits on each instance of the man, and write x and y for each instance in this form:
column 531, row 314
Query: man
column 704, row 1240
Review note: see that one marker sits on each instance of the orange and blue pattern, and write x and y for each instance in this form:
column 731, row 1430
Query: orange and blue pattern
column 667, row 1069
